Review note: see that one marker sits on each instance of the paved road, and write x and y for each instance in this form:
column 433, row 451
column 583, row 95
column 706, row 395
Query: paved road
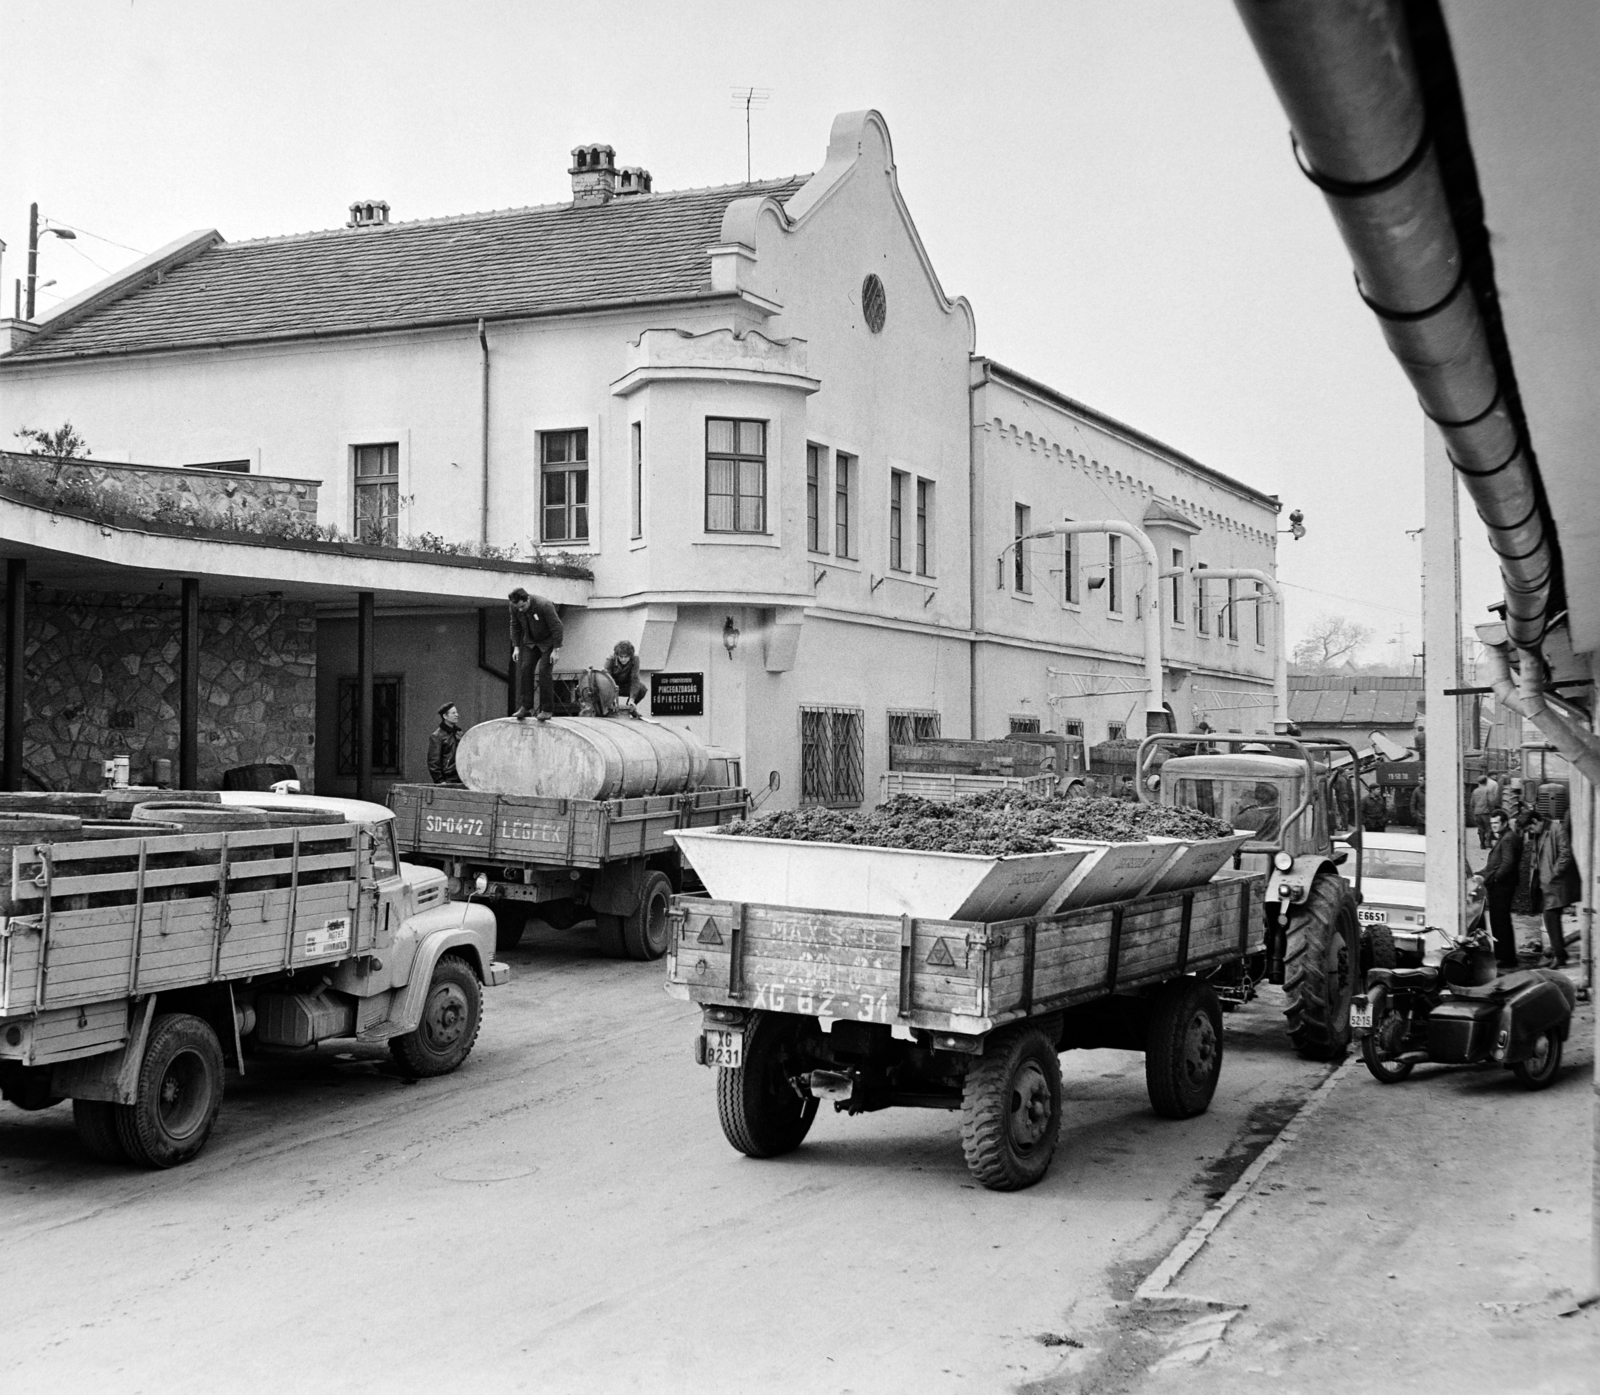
column 563, row 1215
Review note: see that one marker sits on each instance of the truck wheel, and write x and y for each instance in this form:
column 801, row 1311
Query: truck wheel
column 609, row 931
column 1381, row 953
column 762, row 1114
column 1540, row 1068
column 1183, row 1049
column 647, row 932
column 510, row 920
column 177, row 1096
column 96, row 1122
column 1381, row 1045
column 1321, row 961
column 450, row 1020
column 1011, row 1109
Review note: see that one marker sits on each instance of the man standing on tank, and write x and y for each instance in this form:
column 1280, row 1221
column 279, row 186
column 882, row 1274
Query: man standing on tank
column 536, row 634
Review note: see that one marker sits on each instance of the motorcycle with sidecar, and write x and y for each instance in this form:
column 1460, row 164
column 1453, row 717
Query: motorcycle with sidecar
column 1464, row 1011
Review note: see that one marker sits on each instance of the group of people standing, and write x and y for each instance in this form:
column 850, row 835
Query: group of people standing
column 1530, row 868
column 536, row 636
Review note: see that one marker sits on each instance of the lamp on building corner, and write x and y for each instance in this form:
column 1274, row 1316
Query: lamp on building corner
column 730, row 636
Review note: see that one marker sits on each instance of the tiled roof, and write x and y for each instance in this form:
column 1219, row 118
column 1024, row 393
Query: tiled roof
column 1369, row 707
column 503, row 265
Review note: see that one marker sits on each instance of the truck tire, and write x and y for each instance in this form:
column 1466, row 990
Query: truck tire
column 609, row 931
column 647, row 933
column 96, row 1122
column 1540, row 1069
column 451, row 1016
column 510, row 920
column 177, row 1095
column 1183, row 1049
column 762, row 1114
column 1321, row 962
column 1011, row 1109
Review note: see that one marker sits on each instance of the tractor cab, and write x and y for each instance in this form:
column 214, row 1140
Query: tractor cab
column 1263, row 795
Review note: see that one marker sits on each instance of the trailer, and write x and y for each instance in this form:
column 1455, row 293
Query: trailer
column 134, row 970
column 565, row 859
column 965, row 1009
column 947, row 768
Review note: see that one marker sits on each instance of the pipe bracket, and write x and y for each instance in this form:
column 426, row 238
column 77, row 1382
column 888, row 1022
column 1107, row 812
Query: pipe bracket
column 1405, row 317
column 1363, row 188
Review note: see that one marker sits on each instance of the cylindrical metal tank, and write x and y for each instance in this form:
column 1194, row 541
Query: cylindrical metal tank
column 580, row 758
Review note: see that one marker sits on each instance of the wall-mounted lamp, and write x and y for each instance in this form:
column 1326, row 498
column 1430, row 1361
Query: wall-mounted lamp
column 1297, row 525
column 730, row 636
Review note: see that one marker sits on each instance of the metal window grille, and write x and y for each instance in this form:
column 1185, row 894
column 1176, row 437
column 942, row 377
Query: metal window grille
column 1114, row 574
column 843, row 490
column 924, row 507
column 1020, row 580
column 1024, row 724
column 736, row 475
column 911, row 728
column 636, row 474
column 832, row 755
column 1116, row 731
column 388, row 722
column 813, row 497
column 377, row 494
column 1072, row 727
column 564, row 468
column 897, row 499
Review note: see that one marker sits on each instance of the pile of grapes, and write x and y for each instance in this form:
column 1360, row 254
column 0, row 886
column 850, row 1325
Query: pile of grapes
column 994, row 824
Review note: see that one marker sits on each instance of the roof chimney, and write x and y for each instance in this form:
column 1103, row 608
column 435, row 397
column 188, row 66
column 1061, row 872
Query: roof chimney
column 594, row 175
column 368, row 213
column 631, row 179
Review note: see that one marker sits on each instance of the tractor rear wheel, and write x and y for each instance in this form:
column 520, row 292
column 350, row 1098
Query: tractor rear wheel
column 1321, row 963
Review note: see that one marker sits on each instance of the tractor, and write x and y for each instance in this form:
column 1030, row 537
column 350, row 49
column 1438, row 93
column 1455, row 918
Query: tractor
column 1301, row 802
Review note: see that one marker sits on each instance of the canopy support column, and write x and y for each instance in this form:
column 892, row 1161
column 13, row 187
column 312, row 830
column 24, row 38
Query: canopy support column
column 365, row 625
column 16, row 657
column 189, row 686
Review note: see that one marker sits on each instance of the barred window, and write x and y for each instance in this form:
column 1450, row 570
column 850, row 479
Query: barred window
column 736, row 475
column 388, row 722
column 1116, row 731
column 564, row 467
column 832, row 755
column 377, row 491
column 911, row 727
column 1024, row 724
column 1072, row 727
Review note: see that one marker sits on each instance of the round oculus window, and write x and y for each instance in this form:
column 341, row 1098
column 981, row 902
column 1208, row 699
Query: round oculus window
column 874, row 305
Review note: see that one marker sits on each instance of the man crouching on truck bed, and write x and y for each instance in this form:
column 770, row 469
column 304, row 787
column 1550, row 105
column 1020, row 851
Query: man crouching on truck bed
column 536, row 634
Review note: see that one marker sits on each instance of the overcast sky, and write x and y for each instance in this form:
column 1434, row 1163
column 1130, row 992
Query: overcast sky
column 1107, row 181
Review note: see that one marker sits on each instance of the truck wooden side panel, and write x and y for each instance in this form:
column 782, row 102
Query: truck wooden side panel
column 952, row 976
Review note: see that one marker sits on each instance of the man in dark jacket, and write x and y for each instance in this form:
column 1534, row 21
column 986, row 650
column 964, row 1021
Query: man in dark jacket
column 1500, row 886
column 1559, row 885
column 442, row 746
column 536, row 635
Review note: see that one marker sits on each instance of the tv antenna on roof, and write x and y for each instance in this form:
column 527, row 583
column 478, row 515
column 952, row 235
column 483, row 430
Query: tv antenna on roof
column 748, row 97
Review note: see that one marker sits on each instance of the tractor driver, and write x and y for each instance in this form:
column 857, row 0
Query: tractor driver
column 1258, row 810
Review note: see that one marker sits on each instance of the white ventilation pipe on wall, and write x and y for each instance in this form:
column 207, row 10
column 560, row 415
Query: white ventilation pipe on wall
column 1155, row 718
column 1345, row 73
column 1280, row 662
column 1525, row 695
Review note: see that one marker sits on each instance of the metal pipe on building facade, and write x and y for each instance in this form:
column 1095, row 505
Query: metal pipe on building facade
column 1347, row 78
column 483, row 524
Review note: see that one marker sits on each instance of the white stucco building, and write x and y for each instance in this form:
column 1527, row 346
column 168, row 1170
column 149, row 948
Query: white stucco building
column 752, row 410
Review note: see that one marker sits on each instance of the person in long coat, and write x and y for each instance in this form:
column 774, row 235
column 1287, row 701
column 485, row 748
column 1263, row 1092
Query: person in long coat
column 1560, row 885
column 1500, row 887
column 536, row 635
column 442, row 747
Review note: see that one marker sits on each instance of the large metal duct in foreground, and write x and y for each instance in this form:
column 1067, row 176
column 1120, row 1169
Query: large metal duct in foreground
column 1346, row 76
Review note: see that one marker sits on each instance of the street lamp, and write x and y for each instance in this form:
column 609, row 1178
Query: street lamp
column 1297, row 525
column 730, row 636
column 34, row 233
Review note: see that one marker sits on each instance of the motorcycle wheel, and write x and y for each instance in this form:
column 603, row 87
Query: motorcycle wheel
column 1540, row 1069
column 1379, row 1048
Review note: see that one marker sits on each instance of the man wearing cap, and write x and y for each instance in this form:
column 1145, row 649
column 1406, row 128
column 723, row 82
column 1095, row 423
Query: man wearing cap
column 442, row 746
column 536, row 634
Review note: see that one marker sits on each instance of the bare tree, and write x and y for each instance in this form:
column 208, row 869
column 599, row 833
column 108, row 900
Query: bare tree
column 1329, row 639
column 61, row 444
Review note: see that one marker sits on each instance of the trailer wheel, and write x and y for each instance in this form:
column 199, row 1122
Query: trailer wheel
column 1183, row 1049
column 451, row 1017
column 177, row 1096
column 762, row 1114
column 96, row 1122
column 647, row 933
column 510, row 920
column 609, row 931
column 1540, row 1068
column 1011, row 1109
column 1321, row 962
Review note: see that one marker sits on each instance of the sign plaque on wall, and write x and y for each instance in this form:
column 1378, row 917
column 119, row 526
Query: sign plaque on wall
column 677, row 695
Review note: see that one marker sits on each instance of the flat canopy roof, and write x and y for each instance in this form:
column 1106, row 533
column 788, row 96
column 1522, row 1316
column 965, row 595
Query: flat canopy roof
column 72, row 553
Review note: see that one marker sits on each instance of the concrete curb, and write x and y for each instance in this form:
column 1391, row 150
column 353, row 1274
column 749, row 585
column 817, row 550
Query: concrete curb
column 1155, row 1292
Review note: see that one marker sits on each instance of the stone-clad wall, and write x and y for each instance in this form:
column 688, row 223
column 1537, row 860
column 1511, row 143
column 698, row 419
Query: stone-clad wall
column 102, row 681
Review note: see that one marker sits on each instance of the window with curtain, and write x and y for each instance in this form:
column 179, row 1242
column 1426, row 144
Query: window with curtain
column 377, row 494
column 736, row 475
column 564, row 486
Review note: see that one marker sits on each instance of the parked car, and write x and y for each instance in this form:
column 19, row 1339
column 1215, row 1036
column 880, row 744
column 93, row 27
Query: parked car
column 1393, row 894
